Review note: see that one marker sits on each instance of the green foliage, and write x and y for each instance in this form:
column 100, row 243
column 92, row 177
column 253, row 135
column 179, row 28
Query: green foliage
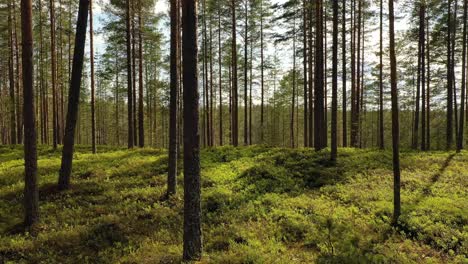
column 260, row 205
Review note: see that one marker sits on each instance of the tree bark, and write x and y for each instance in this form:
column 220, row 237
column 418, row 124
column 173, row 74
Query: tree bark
column 192, row 202
column 31, row 194
column 463, row 83
column 172, row 175
column 381, row 109
column 395, row 118
column 74, row 96
column 235, row 105
column 319, row 116
column 334, row 132
column 129, row 78
column 91, row 56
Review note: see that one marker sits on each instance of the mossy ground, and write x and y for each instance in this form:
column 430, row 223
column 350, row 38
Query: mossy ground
column 260, row 205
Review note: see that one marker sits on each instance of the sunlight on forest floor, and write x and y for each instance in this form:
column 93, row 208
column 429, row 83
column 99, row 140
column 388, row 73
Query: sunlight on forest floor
column 260, row 205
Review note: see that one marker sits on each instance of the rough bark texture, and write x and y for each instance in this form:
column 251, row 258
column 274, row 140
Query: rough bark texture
column 235, row 105
column 74, row 96
column 192, row 203
column 319, row 116
column 31, row 195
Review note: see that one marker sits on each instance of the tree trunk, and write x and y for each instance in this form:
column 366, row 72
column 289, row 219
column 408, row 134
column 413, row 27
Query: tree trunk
column 262, row 73
column 31, row 194
column 319, row 116
column 54, row 73
column 74, row 95
column 246, row 67
column 463, row 83
column 449, row 132
column 423, row 74
column 235, row 106
column 344, row 80
column 192, row 202
column 11, row 78
column 304, row 56
column 381, row 110
column 334, row 133
column 221, row 135
column 293, row 103
column 141, row 114
column 395, row 118
column 129, row 78
column 172, row 175
column 91, row 56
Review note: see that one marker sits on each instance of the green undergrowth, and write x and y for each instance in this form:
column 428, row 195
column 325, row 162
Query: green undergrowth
column 260, row 205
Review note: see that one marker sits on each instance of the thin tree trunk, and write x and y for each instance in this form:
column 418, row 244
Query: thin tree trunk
column 141, row 114
column 449, row 132
column 221, row 135
column 11, row 77
column 381, row 109
column 54, row 72
column 235, row 106
column 74, row 96
column 129, row 78
column 31, row 194
column 463, row 83
column 304, row 55
column 91, row 56
column 262, row 73
column 246, row 41
column 395, row 118
column 344, row 80
column 423, row 75
column 334, row 134
column 192, row 202
column 293, row 104
column 172, row 175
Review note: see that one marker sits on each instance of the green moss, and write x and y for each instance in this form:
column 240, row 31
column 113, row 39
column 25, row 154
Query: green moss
column 260, row 205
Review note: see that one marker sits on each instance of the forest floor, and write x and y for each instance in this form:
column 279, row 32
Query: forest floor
column 260, row 205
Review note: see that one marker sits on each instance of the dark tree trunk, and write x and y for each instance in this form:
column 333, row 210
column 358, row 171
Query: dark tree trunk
column 172, row 175
column 129, row 78
column 192, row 202
column 262, row 73
column 293, row 103
column 344, row 80
column 11, row 77
column 304, row 56
column 134, row 88
column 221, row 135
column 91, row 56
column 246, row 67
column 141, row 114
column 319, row 116
column 54, row 73
column 334, row 132
column 463, row 83
column 395, row 118
column 381, row 110
column 74, row 95
column 31, row 195
column 235, row 106
column 428, row 90
column 449, row 132
column 422, row 37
